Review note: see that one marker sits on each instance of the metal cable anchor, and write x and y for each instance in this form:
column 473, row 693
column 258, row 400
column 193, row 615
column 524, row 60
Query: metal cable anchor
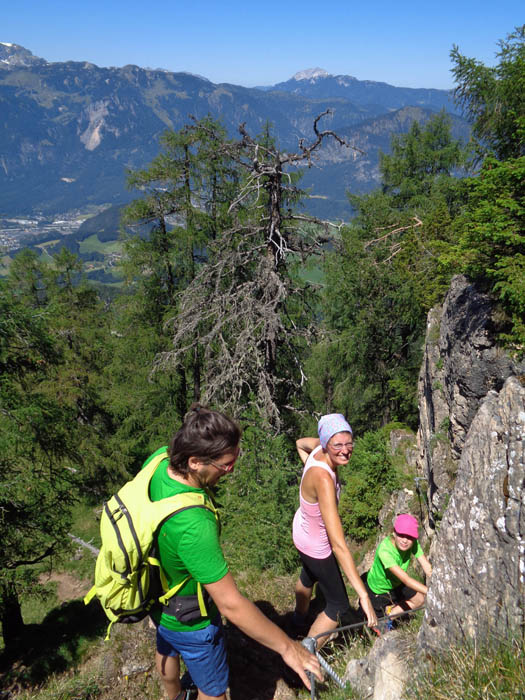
column 311, row 644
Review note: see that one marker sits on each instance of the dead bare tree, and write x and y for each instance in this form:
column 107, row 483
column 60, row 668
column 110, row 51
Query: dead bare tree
column 396, row 245
column 245, row 310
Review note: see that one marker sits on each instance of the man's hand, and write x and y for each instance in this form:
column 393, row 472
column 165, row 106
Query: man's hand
column 301, row 660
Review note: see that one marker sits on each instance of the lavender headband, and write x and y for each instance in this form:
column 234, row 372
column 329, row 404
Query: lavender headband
column 330, row 425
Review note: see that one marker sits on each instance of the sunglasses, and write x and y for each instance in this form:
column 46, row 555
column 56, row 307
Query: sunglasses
column 228, row 467
column 339, row 447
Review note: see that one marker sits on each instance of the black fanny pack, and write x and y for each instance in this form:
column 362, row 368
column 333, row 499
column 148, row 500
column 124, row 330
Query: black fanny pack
column 185, row 608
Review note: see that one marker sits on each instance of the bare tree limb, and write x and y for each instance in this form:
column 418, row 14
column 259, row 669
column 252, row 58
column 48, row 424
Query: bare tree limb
column 393, row 232
column 238, row 308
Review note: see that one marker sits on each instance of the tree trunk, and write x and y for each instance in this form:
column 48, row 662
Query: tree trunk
column 182, row 401
column 11, row 615
column 196, row 374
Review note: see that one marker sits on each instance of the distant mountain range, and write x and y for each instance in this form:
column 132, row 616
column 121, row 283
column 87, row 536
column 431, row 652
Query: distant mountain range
column 71, row 130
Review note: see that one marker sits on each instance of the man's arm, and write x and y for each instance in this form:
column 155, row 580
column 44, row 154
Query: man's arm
column 248, row 618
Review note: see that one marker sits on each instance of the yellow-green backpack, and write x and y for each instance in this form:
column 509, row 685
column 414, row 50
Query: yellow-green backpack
column 127, row 575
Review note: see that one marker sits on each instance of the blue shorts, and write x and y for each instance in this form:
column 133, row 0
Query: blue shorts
column 203, row 652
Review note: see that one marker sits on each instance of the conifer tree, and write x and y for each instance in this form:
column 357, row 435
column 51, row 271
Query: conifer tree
column 38, row 455
column 183, row 202
column 245, row 308
column 491, row 243
column 384, row 276
column 493, row 98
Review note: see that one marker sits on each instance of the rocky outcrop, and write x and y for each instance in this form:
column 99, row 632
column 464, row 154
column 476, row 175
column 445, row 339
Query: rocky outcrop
column 383, row 672
column 462, row 363
column 471, row 444
column 477, row 589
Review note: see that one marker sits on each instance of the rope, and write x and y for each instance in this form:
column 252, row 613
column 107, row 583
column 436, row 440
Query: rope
column 311, row 644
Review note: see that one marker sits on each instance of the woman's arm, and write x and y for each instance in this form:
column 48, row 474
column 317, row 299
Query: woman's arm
column 305, row 446
column 248, row 618
column 408, row 580
column 328, row 506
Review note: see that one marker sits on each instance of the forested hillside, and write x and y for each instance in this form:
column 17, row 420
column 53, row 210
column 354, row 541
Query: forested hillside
column 71, row 130
column 239, row 299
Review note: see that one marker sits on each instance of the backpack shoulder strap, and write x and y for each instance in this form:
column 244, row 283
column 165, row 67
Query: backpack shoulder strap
column 173, row 505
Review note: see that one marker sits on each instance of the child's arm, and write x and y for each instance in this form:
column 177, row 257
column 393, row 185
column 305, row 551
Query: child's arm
column 305, row 446
column 425, row 565
column 398, row 572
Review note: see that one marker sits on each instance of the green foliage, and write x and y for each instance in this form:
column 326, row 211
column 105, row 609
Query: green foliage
column 377, row 352
column 491, row 244
column 78, row 326
column 384, row 276
column 259, row 501
column 370, row 479
column 38, row 482
column 494, row 97
column 55, row 424
column 26, row 273
column 372, row 347
column 421, row 163
column 183, row 201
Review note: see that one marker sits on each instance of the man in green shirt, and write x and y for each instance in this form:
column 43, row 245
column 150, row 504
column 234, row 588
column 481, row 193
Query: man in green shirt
column 201, row 452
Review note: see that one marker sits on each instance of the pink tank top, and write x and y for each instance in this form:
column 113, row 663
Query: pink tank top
column 309, row 531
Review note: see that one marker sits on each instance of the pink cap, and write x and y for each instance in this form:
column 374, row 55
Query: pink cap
column 406, row 524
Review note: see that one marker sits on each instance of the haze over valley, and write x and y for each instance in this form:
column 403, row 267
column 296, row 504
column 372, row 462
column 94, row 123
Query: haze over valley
column 72, row 130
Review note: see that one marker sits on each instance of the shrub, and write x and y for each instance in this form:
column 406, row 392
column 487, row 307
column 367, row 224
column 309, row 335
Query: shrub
column 370, row 478
column 260, row 499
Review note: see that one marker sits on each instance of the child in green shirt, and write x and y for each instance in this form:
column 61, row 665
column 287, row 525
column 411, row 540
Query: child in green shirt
column 390, row 588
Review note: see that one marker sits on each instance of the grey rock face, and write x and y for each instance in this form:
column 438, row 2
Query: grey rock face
column 462, row 362
column 383, row 672
column 403, row 442
column 477, row 587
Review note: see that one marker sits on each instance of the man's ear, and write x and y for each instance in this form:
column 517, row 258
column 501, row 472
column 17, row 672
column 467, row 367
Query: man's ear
column 193, row 463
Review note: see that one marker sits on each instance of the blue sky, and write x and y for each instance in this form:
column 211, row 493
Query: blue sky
column 249, row 43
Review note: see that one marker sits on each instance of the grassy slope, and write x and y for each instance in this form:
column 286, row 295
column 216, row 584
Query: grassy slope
column 77, row 663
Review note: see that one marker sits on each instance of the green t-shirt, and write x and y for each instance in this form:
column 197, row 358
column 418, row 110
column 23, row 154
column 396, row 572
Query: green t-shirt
column 188, row 543
column 387, row 554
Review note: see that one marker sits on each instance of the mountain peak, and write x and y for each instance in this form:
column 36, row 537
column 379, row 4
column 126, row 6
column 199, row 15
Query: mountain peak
column 15, row 55
column 311, row 74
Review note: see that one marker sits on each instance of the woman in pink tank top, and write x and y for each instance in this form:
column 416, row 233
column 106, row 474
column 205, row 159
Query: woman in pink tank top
column 318, row 531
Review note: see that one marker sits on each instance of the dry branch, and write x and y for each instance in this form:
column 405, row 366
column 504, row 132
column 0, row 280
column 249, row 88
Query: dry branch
column 236, row 309
column 400, row 229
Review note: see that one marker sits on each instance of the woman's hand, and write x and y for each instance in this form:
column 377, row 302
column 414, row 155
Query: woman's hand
column 369, row 611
